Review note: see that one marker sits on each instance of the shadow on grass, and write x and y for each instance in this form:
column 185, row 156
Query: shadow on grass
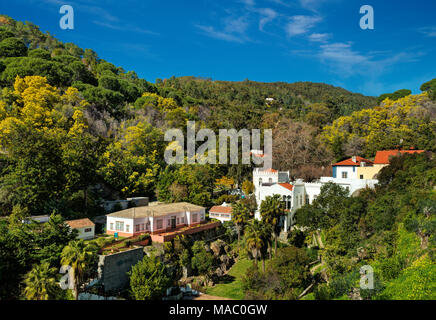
column 225, row 279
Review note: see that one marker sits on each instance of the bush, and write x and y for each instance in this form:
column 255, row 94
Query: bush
column 12, row 47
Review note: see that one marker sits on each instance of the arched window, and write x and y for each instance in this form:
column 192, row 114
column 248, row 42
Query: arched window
column 270, row 180
column 260, row 181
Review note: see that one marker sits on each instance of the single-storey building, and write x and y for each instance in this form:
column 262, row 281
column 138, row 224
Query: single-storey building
column 85, row 227
column 222, row 213
column 154, row 219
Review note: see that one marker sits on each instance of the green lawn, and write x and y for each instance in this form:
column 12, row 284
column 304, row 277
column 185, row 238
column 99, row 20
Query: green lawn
column 232, row 288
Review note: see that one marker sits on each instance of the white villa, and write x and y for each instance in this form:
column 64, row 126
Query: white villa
column 295, row 194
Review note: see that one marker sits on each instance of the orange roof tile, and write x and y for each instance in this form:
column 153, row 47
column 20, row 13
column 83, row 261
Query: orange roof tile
column 270, row 170
column 287, row 186
column 221, row 209
column 80, row 223
column 350, row 162
column 382, row 157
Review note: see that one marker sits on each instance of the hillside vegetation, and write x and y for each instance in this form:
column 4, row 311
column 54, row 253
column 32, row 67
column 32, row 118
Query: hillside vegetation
column 76, row 129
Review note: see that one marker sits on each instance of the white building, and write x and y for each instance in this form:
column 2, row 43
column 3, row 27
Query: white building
column 347, row 169
column 298, row 193
column 154, row 219
column 222, row 213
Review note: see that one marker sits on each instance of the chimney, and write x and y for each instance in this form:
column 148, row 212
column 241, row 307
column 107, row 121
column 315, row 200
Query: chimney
column 354, row 159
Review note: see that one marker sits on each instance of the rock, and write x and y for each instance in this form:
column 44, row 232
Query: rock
column 219, row 272
column 207, row 248
column 218, row 247
column 225, row 260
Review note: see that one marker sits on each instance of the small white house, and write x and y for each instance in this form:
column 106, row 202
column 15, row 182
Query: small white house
column 222, row 213
column 85, row 227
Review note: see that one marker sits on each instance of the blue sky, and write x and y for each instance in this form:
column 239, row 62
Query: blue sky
column 268, row 41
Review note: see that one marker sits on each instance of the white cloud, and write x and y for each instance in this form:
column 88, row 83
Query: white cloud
column 429, row 31
column 213, row 33
column 301, row 24
column 319, row 37
column 268, row 15
column 346, row 61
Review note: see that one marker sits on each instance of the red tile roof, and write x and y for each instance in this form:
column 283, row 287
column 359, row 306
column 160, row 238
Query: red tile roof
column 80, row 223
column 382, row 157
column 221, row 209
column 350, row 162
column 270, row 170
column 287, row 186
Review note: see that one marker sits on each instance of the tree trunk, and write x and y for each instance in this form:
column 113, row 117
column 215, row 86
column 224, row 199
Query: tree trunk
column 255, row 258
column 275, row 244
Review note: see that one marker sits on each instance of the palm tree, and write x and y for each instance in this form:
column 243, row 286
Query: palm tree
column 271, row 210
column 265, row 234
column 40, row 282
column 80, row 256
column 253, row 239
column 240, row 215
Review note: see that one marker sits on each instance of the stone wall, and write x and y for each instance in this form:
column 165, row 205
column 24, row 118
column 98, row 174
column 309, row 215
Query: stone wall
column 113, row 268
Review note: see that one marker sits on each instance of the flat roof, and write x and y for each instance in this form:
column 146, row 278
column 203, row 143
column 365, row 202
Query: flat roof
column 156, row 210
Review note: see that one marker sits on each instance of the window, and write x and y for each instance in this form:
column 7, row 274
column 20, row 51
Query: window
column 112, row 226
column 178, row 220
column 344, row 175
column 270, row 180
column 307, row 199
column 361, row 176
column 159, row 224
column 260, row 181
column 127, row 228
column 169, row 222
column 88, row 230
column 142, row 227
column 137, row 228
column 194, row 217
column 182, row 219
column 119, row 226
column 147, row 226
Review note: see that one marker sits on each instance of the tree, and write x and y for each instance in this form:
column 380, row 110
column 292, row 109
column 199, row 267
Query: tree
column 247, row 187
column 149, row 279
column 202, row 261
column 40, row 282
column 82, row 258
column 240, row 216
column 254, row 239
column 12, row 47
column 271, row 210
column 424, row 222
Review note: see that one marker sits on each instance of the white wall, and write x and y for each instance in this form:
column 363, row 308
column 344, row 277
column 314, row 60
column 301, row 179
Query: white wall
column 350, row 170
column 86, row 235
column 127, row 221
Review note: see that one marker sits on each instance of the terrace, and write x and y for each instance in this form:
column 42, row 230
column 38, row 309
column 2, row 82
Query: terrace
column 168, row 236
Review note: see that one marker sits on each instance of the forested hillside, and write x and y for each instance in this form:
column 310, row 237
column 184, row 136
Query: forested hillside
column 76, row 129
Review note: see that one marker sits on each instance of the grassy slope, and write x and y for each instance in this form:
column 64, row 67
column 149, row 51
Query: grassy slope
column 232, row 288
